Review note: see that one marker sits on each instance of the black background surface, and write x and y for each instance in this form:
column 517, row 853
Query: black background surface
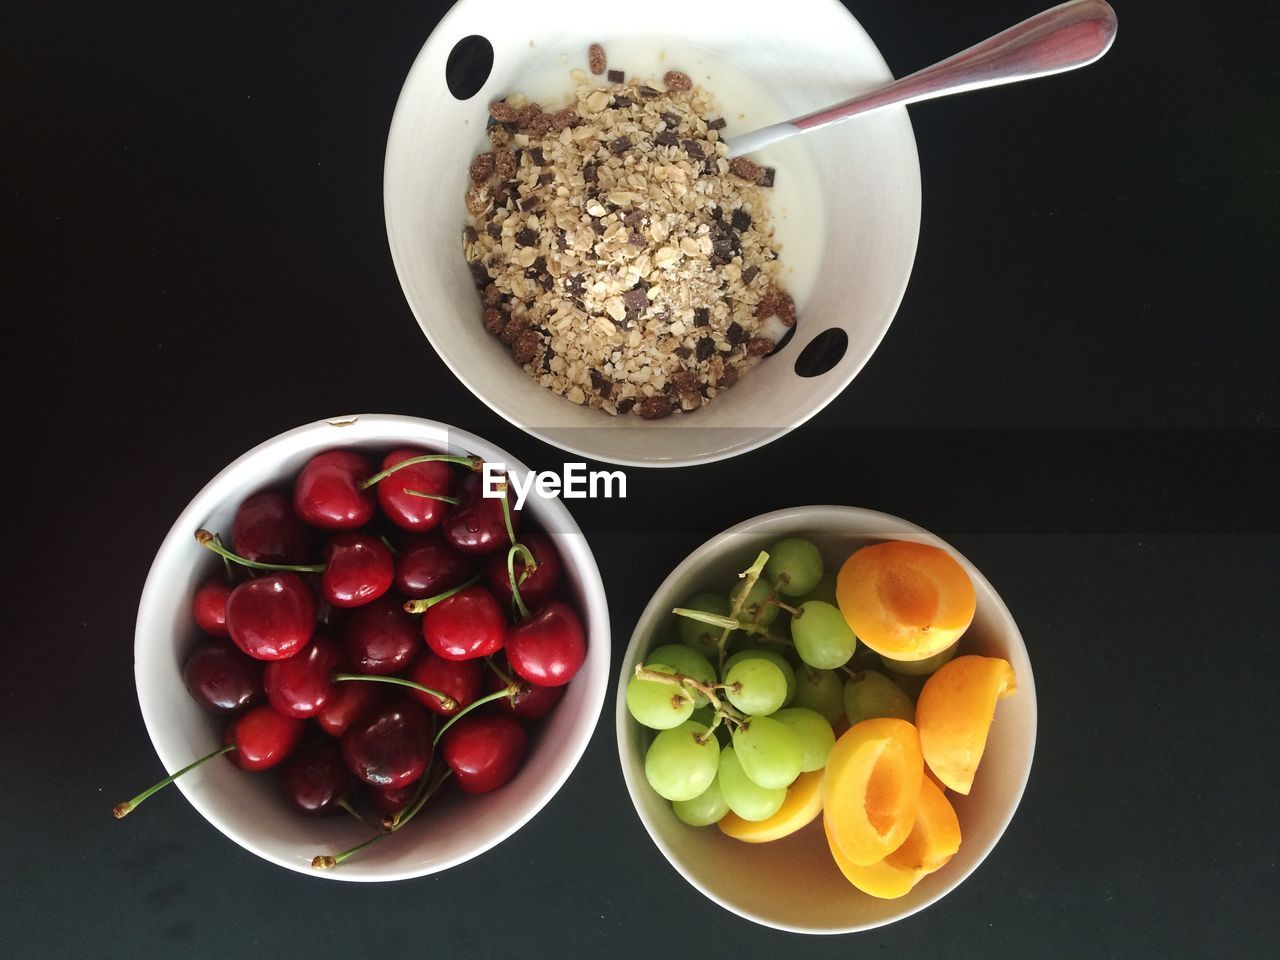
column 1079, row 392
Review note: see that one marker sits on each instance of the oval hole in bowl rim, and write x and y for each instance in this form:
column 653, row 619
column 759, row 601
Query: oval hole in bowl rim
column 468, row 67
column 822, row 353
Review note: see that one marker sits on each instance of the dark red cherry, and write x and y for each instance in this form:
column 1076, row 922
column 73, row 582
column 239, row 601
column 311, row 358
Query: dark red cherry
column 484, row 750
column 539, row 586
column 549, row 648
column 389, row 802
column 316, row 778
column 416, row 514
column 262, row 737
column 531, row 701
column 267, row 529
column 476, row 524
column 390, row 747
column 466, row 625
column 210, row 607
column 222, row 679
column 271, row 617
column 301, row 685
column 427, row 565
column 380, row 637
column 459, row 679
column 327, row 492
column 350, row 701
column 358, row 569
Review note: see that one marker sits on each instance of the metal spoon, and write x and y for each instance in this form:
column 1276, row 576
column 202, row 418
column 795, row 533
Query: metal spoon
column 1062, row 38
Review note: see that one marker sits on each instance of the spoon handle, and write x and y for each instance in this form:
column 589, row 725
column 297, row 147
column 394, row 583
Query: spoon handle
column 1062, row 38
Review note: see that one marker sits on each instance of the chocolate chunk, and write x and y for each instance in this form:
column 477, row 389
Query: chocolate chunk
column 494, row 320
column 702, row 316
column 469, row 235
column 749, row 274
column 677, row 80
column 759, row 347
column 624, row 406
column 666, row 138
column 766, row 177
column 735, row 334
column 598, row 227
column 482, row 168
column 536, row 155
column 740, row 219
column 545, row 178
column 538, row 266
column 670, row 119
column 589, row 172
column 530, row 203
column 706, row 347
column 502, row 111
column 616, row 76
column 693, row 148
column 596, row 59
column 525, row 346
column 635, row 300
column 621, row 145
column 636, row 240
column 715, row 213
column 620, row 101
column 494, row 230
column 683, row 352
column 480, row 275
column 562, row 240
column 601, row 385
column 648, row 92
column 721, row 252
column 633, row 218
column 655, row 408
column 574, row 285
column 527, row 237
column 717, row 124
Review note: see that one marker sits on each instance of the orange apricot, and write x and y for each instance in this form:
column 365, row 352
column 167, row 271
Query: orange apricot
column 933, row 840
column 871, row 788
column 802, row 805
column 954, row 714
column 906, row 601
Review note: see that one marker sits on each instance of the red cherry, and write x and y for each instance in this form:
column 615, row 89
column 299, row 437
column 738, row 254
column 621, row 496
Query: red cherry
column 391, row 801
column 459, row 679
column 531, row 701
column 540, row 585
column 416, row 514
column 427, row 565
column 316, row 778
column 484, row 750
column 390, row 747
column 476, row 524
column 262, row 738
column 210, row 607
column 327, row 492
column 466, row 625
column 380, row 637
column 358, row 569
column 222, row 679
column 271, row 617
column 350, row 701
column 267, row 529
column 549, row 648
column 301, row 685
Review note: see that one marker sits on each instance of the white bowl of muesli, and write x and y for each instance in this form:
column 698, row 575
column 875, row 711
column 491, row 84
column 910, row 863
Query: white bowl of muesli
column 577, row 245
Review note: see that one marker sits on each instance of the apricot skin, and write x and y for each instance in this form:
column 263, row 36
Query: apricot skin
column 954, row 714
column 802, row 806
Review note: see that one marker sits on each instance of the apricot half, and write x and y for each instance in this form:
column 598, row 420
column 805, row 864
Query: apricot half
column 907, row 601
column 803, row 804
column 871, row 788
column 954, row 714
column 933, row 840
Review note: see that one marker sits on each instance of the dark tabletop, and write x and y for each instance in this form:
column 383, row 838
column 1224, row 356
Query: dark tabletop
column 1079, row 392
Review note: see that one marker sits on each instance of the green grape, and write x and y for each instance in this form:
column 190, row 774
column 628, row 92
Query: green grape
column 656, row 704
column 682, row 762
column 820, row 691
column 744, row 796
column 687, row 661
column 777, row 659
column 706, row 808
column 821, row 635
column 815, row 733
column 755, row 685
column 918, row 668
column 795, row 565
column 756, row 608
column 825, row 590
column 769, row 751
column 703, row 637
column 870, row 694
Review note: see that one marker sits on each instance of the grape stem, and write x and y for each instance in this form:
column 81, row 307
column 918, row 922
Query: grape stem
column 796, row 612
column 708, row 690
column 731, row 624
column 471, row 463
column 749, row 578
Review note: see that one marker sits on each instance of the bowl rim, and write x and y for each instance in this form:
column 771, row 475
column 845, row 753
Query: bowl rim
column 400, row 120
column 641, row 633
column 391, row 428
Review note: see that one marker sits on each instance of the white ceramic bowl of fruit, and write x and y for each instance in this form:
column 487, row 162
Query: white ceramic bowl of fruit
column 280, row 667
column 902, row 775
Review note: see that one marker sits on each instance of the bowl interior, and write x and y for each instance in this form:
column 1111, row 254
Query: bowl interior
column 249, row 808
column 793, row 884
column 846, row 204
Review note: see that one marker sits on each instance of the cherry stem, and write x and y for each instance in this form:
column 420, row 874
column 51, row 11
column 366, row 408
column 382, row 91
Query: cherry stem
column 346, row 805
column 471, row 463
column 446, row 701
column 121, row 810
column 211, row 542
column 488, row 698
column 685, row 683
column 227, row 564
column 326, row 862
column 749, row 578
column 387, row 543
column 530, row 565
column 506, row 511
column 499, row 671
column 410, row 809
column 421, row 606
column 432, row 496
